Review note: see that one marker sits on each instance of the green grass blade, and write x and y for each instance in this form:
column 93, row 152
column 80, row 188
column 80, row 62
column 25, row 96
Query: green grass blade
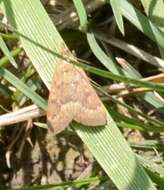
column 142, row 22
column 150, row 145
column 6, row 52
column 36, row 46
column 154, row 10
column 156, row 178
column 65, row 184
column 82, row 15
column 115, row 4
column 131, row 123
column 112, row 160
column 121, row 78
column 4, row 61
column 23, row 88
column 108, row 62
column 152, row 166
column 107, row 143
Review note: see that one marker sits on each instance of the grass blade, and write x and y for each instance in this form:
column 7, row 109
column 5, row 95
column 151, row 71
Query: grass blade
column 115, row 4
column 82, row 15
column 142, row 22
column 6, row 51
column 23, row 88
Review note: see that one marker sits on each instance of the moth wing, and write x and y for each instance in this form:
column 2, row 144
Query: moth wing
column 63, row 102
column 58, row 122
column 92, row 111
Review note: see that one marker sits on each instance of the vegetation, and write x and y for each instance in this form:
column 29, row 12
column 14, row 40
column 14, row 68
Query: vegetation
column 120, row 45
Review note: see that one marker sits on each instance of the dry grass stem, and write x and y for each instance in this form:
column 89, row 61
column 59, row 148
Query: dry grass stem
column 29, row 112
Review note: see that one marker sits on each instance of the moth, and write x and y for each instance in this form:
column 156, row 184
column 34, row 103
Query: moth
column 73, row 98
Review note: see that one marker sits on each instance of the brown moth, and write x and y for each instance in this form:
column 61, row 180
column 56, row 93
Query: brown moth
column 73, row 98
